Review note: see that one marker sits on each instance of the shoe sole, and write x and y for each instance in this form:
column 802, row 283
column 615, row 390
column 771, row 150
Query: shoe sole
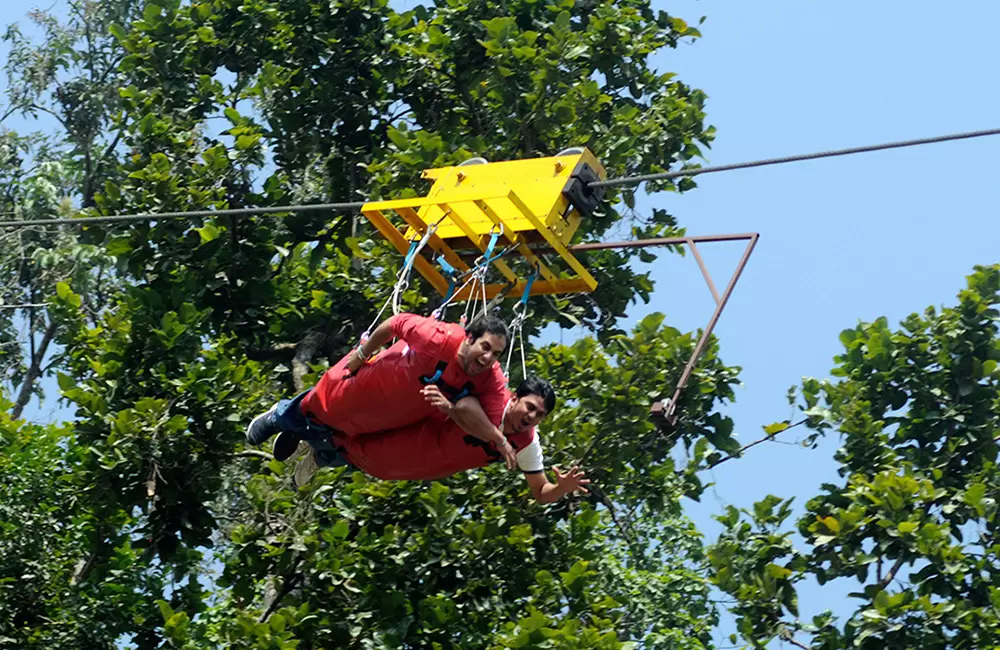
column 285, row 439
column 305, row 469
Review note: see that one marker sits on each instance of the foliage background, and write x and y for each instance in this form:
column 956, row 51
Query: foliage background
column 882, row 189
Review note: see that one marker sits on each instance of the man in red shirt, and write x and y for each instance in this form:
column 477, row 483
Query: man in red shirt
column 365, row 394
column 438, row 446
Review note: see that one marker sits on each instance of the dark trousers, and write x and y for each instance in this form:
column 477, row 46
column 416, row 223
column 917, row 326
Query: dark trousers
column 291, row 418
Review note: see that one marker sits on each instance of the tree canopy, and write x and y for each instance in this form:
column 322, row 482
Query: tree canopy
column 168, row 336
column 914, row 523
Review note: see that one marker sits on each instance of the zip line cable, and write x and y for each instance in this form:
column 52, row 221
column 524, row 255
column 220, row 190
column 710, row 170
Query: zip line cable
column 611, row 182
column 635, row 180
column 190, row 214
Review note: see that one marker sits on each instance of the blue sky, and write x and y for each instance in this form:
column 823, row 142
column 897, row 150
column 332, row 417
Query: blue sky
column 843, row 239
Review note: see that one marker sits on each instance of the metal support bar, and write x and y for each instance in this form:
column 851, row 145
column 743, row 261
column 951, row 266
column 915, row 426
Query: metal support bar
column 426, row 269
column 653, row 241
column 518, row 239
column 554, row 242
column 704, row 270
column 413, row 221
column 668, row 411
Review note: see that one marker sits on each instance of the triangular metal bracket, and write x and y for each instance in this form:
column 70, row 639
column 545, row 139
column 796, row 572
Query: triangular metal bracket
column 665, row 411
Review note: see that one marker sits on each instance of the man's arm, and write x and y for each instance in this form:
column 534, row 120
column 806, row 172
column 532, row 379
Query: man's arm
column 409, row 327
column 493, row 395
column 378, row 338
column 469, row 415
column 545, row 492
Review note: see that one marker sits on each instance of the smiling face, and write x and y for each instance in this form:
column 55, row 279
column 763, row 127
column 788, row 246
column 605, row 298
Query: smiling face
column 524, row 413
column 478, row 355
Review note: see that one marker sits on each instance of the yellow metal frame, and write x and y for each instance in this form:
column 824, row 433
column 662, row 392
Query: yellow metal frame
column 523, row 199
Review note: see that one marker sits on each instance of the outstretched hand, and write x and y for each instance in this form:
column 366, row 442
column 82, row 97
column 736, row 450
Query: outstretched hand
column 508, row 453
column 572, row 481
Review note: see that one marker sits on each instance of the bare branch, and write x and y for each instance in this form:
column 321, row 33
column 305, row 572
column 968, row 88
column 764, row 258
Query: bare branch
column 884, row 582
column 281, row 351
column 85, row 565
column 626, row 532
column 744, row 448
column 797, row 644
column 34, row 371
column 290, row 583
column 59, row 118
column 253, row 453
column 305, row 352
column 110, row 149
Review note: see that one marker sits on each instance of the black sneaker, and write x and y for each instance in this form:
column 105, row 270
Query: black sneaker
column 263, row 426
column 284, row 446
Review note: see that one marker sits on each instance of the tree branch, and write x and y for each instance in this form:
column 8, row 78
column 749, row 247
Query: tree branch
column 59, row 118
column 253, row 453
column 290, row 584
column 281, row 351
column 627, row 533
column 85, row 566
column 798, row 644
column 110, row 149
column 744, row 448
column 34, row 371
column 884, row 582
column 305, row 352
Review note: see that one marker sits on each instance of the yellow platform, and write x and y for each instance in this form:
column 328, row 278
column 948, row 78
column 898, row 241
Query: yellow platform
column 532, row 201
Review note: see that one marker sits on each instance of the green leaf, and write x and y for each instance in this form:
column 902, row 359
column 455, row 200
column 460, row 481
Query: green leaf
column 341, row 529
column 499, row 28
column 881, row 601
column 166, row 611
column 208, row 232
column 245, row 142
column 524, row 53
column 776, row 571
column 990, row 368
column 908, row 526
column 117, row 31
column 399, row 138
column 974, row 496
column 151, row 13
column 776, row 428
column 63, row 291
column 65, row 381
column 119, row 246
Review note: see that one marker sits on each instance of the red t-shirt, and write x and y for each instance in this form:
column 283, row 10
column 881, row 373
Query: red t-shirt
column 385, row 392
column 433, row 448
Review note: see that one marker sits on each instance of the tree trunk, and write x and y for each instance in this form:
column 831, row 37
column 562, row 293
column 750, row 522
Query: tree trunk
column 305, row 352
column 34, row 371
